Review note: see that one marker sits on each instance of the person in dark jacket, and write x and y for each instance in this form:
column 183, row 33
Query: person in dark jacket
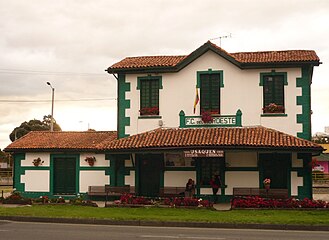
column 189, row 188
column 216, row 184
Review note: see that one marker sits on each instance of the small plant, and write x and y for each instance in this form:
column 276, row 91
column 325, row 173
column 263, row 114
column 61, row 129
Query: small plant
column 206, row 117
column 273, row 108
column 267, row 183
column 90, row 160
column 16, row 198
column 36, row 162
column 149, row 111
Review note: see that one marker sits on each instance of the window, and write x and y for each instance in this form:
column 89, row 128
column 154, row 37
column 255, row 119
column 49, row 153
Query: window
column 210, row 93
column 273, row 94
column 209, row 167
column 149, row 95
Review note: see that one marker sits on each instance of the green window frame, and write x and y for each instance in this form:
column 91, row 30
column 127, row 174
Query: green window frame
column 209, row 167
column 273, row 91
column 149, row 95
column 210, row 84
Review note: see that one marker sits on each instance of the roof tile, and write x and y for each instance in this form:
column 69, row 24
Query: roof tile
column 253, row 137
column 240, row 57
column 44, row 140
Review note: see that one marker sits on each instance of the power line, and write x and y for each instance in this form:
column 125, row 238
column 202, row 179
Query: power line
column 40, row 72
column 59, row 100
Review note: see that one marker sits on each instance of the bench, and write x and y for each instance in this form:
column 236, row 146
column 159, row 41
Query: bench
column 172, row 191
column 270, row 193
column 108, row 190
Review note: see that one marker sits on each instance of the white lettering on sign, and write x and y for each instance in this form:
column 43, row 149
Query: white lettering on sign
column 193, row 121
column 204, row 153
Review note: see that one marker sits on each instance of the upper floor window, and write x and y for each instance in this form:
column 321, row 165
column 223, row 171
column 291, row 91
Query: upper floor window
column 210, row 92
column 149, row 95
column 273, row 93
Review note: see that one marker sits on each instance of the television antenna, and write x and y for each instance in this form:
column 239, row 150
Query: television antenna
column 220, row 38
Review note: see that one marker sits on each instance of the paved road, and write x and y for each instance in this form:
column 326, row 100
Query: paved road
column 52, row 231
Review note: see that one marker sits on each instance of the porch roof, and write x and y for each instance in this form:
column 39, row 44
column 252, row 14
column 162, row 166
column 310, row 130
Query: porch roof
column 225, row 138
column 240, row 59
column 51, row 141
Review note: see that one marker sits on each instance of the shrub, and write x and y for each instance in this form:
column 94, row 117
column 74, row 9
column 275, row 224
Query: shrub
column 259, row 202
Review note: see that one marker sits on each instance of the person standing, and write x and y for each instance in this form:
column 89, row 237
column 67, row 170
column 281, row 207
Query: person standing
column 216, row 184
column 189, row 188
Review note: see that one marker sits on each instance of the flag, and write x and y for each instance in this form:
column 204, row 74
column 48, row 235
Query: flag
column 196, row 101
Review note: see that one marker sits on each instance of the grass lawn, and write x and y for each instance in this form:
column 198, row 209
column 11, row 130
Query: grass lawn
column 316, row 217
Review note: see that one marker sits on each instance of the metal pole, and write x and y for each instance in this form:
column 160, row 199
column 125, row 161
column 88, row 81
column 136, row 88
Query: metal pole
column 52, row 107
column 52, row 110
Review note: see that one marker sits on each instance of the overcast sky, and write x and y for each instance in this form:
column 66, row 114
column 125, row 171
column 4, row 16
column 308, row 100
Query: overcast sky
column 71, row 43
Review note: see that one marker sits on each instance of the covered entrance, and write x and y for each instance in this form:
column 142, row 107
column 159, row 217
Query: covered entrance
column 64, row 176
column 150, row 172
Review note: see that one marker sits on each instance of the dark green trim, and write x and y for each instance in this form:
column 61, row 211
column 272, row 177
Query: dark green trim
column 273, row 73
column 149, row 77
column 175, row 169
column 305, row 101
column 241, row 169
column 210, row 71
column 305, row 191
column 183, row 120
column 149, row 117
column 123, row 104
column 18, row 172
column 274, row 115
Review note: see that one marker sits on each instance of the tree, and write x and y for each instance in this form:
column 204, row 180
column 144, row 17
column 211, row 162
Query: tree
column 33, row 125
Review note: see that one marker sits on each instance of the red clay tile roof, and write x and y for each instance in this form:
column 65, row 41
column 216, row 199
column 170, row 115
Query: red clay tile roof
column 148, row 61
column 234, row 137
column 276, row 56
column 288, row 56
column 44, row 140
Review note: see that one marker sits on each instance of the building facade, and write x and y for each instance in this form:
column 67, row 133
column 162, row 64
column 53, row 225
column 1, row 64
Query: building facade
column 242, row 116
column 210, row 89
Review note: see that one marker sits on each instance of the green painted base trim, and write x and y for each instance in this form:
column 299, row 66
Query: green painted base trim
column 175, row 169
column 274, row 115
column 241, row 169
column 149, row 117
column 93, row 168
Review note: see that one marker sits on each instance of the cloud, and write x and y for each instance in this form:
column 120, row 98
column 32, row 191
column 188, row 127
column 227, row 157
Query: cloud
column 56, row 41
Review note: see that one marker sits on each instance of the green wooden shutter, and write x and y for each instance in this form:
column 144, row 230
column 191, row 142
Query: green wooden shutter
column 64, row 176
column 149, row 94
column 210, row 93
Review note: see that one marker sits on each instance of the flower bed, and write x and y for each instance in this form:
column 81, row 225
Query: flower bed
column 137, row 201
column 187, row 202
column 259, row 202
column 16, row 198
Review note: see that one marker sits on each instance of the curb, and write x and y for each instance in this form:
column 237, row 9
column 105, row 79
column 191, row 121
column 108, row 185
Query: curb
column 166, row 224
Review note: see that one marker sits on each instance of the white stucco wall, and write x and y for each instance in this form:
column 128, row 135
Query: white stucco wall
column 240, row 179
column 100, row 160
column 92, row 178
column 295, row 182
column 178, row 178
column 241, row 159
column 36, row 180
column 130, row 179
column 29, row 157
column 295, row 162
column 241, row 91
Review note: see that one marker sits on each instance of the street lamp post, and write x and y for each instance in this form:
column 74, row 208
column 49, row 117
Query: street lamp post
column 52, row 107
